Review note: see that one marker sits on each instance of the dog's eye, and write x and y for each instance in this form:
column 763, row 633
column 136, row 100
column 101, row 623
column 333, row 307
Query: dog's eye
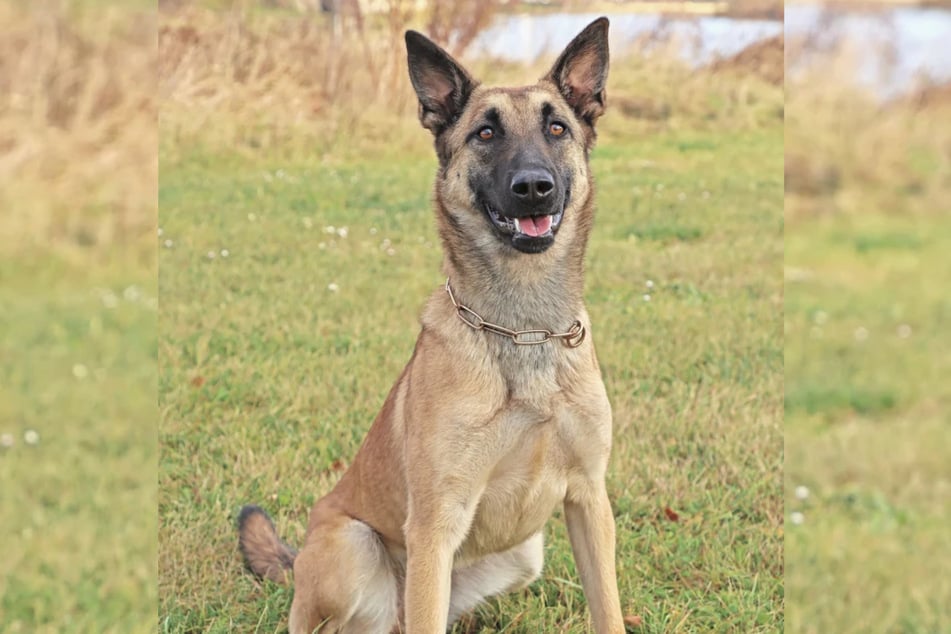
column 486, row 133
column 556, row 129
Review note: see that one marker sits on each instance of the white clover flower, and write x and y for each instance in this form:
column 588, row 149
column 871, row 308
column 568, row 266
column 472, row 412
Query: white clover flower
column 6, row 440
column 797, row 518
column 80, row 371
column 252, row 217
column 160, row 232
column 330, row 229
column 342, row 232
column 372, row 231
column 212, row 255
column 705, row 195
column 131, row 293
column 109, row 300
column 332, row 287
column 391, row 251
column 31, row 437
column 802, row 492
column 169, row 244
column 647, row 297
column 308, row 223
column 225, row 253
column 681, row 196
column 650, row 283
column 861, row 333
column 904, row 331
column 821, row 317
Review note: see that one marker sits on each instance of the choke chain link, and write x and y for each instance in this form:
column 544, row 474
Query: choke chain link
column 572, row 338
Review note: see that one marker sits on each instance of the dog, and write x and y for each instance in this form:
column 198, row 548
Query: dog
column 501, row 413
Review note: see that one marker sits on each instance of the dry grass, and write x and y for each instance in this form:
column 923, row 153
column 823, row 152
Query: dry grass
column 253, row 81
column 261, row 80
column 77, row 127
column 755, row 9
column 848, row 151
column 765, row 59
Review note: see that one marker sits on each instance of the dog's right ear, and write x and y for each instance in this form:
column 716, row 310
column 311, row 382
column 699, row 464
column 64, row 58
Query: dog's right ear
column 442, row 85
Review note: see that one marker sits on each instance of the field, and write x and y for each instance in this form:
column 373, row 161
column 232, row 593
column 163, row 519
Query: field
column 79, row 504
column 78, row 325
column 296, row 252
column 866, row 390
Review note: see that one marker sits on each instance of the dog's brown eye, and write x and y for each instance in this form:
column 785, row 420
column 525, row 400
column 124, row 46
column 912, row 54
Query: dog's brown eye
column 556, row 128
column 486, row 133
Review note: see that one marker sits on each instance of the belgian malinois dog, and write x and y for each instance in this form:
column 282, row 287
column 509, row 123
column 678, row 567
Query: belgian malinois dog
column 501, row 413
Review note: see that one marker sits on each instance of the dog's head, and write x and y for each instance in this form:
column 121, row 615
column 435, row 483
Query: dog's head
column 513, row 161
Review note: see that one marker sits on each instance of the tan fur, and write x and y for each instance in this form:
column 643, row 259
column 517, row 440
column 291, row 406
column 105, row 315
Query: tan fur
column 264, row 552
column 479, row 439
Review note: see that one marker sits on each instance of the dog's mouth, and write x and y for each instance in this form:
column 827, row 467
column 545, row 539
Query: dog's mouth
column 529, row 234
column 526, row 226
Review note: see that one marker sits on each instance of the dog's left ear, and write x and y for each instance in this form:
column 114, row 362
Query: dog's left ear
column 581, row 71
column 441, row 84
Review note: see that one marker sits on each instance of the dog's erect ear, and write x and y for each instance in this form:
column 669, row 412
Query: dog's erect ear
column 442, row 85
column 581, row 71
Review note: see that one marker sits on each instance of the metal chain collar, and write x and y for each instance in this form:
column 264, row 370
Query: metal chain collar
column 572, row 338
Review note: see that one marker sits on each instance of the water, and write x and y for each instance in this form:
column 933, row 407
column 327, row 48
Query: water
column 699, row 40
column 898, row 47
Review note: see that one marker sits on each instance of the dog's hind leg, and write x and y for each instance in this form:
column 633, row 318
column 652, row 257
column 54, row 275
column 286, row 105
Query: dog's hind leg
column 510, row 570
column 344, row 581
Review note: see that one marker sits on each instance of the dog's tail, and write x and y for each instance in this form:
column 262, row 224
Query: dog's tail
column 264, row 553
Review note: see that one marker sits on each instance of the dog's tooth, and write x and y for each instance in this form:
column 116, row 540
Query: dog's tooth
column 518, row 225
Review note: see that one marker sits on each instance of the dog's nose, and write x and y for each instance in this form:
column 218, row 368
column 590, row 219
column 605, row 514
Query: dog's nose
column 531, row 185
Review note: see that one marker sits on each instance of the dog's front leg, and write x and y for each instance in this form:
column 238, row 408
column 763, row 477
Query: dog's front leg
column 428, row 583
column 591, row 530
column 434, row 531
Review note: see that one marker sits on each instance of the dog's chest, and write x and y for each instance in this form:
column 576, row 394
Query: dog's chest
column 527, row 483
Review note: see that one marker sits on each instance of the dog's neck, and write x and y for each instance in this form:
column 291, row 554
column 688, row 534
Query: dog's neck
column 520, row 293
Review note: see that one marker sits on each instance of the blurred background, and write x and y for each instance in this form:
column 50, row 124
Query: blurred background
column 78, row 306
column 867, row 317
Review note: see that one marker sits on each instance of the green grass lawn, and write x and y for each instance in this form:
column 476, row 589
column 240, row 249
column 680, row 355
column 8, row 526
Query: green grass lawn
column 867, row 398
column 78, row 507
column 274, row 359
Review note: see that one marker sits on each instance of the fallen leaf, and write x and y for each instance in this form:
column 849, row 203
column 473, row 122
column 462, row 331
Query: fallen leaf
column 632, row 620
column 198, row 381
column 338, row 465
column 671, row 514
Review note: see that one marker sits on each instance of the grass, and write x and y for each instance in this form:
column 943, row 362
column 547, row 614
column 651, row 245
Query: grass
column 78, row 507
column 78, row 320
column 867, row 396
column 269, row 378
column 866, row 427
column 78, row 129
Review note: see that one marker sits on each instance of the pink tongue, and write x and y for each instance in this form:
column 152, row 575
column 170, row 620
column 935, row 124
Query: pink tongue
column 535, row 226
